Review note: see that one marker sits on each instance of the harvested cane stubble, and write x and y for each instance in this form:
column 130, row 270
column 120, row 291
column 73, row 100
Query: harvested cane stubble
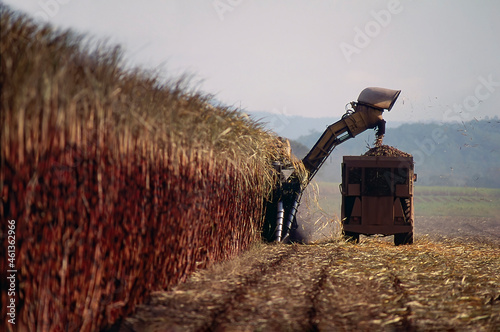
column 386, row 151
column 448, row 285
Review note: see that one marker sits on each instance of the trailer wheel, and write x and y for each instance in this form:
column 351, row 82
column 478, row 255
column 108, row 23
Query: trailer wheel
column 351, row 237
column 403, row 238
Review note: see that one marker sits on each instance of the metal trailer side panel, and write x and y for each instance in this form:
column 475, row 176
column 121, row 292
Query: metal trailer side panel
column 377, row 195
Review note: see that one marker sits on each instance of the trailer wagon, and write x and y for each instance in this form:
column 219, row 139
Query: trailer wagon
column 377, row 197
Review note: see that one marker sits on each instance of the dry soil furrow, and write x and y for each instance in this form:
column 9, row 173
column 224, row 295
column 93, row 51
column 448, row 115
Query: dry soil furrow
column 204, row 301
column 372, row 286
column 317, row 290
column 233, row 298
column 358, row 294
column 283, row 298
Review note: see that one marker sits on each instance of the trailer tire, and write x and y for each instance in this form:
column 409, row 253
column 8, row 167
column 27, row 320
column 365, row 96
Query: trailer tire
column 403, row 238
column 351, row 237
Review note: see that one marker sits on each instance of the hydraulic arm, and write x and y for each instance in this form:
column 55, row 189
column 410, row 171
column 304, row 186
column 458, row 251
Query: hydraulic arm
column 364, row 114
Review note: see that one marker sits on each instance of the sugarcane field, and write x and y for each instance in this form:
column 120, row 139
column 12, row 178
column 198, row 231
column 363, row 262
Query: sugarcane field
column 131, row 202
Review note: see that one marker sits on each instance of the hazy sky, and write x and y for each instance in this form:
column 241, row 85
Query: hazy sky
column 308, row 57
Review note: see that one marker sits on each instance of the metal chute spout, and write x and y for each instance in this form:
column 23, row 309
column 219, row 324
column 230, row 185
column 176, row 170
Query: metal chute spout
column 380, row 98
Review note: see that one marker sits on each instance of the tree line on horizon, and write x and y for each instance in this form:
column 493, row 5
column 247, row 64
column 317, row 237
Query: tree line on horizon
column 449, row 154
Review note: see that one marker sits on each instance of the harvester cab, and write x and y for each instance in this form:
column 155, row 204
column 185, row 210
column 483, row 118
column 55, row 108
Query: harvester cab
column 363, row 114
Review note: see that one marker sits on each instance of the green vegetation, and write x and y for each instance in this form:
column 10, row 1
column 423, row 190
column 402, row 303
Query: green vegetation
column 457, row 201
column 430, row 201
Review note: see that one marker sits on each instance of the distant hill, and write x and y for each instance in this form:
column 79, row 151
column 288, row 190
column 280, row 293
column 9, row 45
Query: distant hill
column 452, row 154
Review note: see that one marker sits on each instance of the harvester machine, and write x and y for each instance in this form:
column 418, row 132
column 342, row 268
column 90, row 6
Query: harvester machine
column 363, row 114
